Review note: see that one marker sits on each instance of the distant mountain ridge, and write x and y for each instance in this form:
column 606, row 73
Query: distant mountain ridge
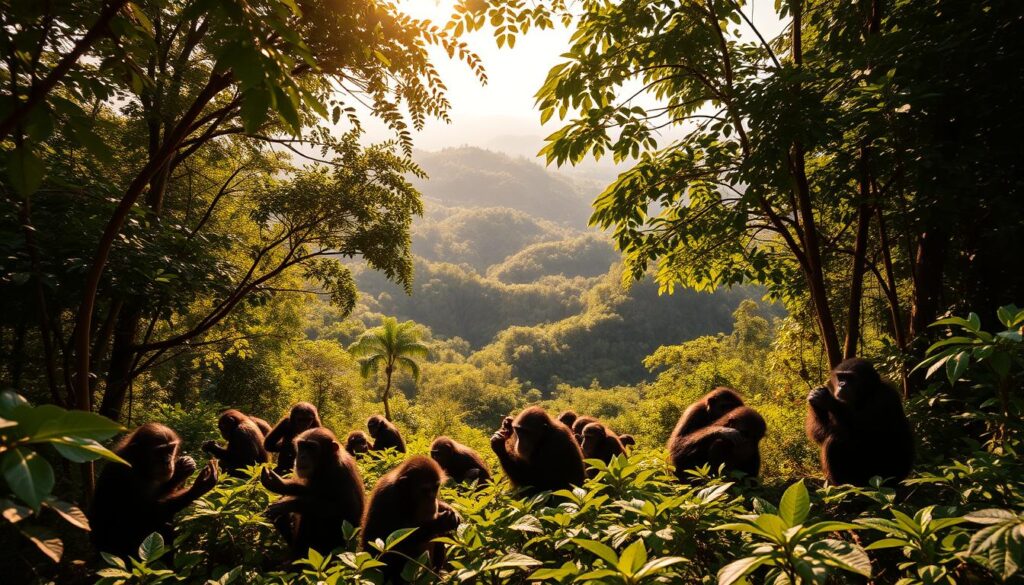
column 474, row 177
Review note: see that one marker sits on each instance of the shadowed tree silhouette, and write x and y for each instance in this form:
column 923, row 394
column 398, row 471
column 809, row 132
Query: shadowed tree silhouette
column 393, row 345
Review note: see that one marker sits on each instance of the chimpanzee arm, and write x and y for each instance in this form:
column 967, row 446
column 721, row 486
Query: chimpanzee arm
column 276, row 437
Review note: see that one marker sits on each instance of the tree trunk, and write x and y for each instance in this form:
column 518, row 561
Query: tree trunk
column 928, row 266
column 387, row 393
column 122, row 357
column 813, row 271
column 860, row 250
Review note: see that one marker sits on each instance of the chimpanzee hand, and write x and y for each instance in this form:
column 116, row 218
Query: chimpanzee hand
column 271, row 480
column 184, row 466
column 447, row 519
column 501, row 435
column 208, row 446
column 207, row 479
column 819, row 397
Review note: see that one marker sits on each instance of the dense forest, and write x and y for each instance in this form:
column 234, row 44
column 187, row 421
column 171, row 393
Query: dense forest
column 241, row 341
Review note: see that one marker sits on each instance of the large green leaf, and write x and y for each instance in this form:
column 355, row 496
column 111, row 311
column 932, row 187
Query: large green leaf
column 795, row 504
column 28, row 475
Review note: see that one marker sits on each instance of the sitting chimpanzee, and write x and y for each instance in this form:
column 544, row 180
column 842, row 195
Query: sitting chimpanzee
column 860, row 425
column 263, row 425
column 385, row 434
column 281, row 440
column 133, row 502
column 599, row 442
column 461, row 463
column 717, row 429
column 732, row 440
column 245, row 443
column 327, row 490
column 357, row 444
column 538, row 453
column 406, row 497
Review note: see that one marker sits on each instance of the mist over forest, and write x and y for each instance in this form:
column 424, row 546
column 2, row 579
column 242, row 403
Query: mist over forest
column 503, row 259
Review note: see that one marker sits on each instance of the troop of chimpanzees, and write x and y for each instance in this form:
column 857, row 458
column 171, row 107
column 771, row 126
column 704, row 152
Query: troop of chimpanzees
column 857, row 420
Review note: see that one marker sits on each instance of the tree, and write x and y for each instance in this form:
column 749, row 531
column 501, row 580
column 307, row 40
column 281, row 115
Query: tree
column 393, row 345
column 120, row 117
column 804, row 162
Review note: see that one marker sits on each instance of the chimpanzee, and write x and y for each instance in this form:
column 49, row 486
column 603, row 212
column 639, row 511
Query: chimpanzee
column 461, row 463
column 860, row 425
column 538, row 453
column 732, row 441
column 245, row 443
column 326, row 491
column 600, row 443
column 130, row 503
column 357, row 444
column 627, row 440
column 567, row 418
column 711, row 407
column 281, row 440
column 406, row 497
column 385, row 434
column 579, row 424
column 263, row 425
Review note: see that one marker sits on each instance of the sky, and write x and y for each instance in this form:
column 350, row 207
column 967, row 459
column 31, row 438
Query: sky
column 500, row 115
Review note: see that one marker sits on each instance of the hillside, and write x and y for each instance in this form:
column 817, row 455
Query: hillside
column 474, row 177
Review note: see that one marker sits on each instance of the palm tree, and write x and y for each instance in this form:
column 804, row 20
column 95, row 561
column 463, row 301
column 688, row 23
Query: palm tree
column 395, row 346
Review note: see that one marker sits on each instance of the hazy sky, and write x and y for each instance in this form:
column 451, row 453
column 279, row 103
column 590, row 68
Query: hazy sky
column 501, row 115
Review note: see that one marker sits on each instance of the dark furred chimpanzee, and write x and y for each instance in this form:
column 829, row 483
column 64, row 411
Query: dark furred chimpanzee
column 627, row 440
column 859, row 422
column 406, row 497
column 327, row 490
column 711, row 407
column 567, row 418
column 263, row 425
column 600, row 443
column 357, row 444
column 245, row 443
column 578, row 426
column 385, row 434
column 732, row 441
column 461, row 463
column 538, row 453
column 281, row 440
column 133, row 502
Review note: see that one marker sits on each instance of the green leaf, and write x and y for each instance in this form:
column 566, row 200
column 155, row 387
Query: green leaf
column 887, row 543
column 844, row 555
column 28, row 475
column 46, row 541
column 795, row 504
column 81, row 450
column 152, row 547
column 736, row 570
column 77, row 423
column 13, row 512
column 70, row 512
column 654, row 567
column 603, row 551
column 633, row 558
column 527, row 523
column 25, row 171
column 990, row 516
column 956, row 366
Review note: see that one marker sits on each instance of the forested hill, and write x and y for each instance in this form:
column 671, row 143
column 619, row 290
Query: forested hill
column 474, row 177
column 503, row 260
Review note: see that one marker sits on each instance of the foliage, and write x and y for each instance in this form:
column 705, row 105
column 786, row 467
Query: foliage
column 392, row 347
column 796, row 552
column 28, row 476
